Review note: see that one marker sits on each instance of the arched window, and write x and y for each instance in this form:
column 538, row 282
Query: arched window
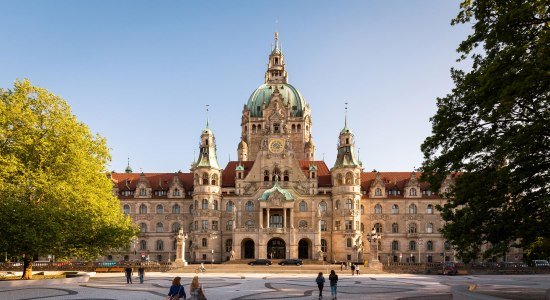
column 395, row 246
column 229, row 225
column 259, row 127
column 395, row 209
column 204, row 204
column 266, row 175
column 214, row 179
column 126, row 209
column 160, row 209
column 249, row 206
column 322, row 206
column 378, row 192
column 324, row 245
column 429, row 245
column 249, row 224
column 293, row 127
column 412, row 209
column 228, row 245
column 204, row 242
column 160, row 227
column 175, row 244
column 394, row 228
column 176, row 227
column 215, row 202
column 229, row 206
column 337, row 204
column 349, row 243
column 349, row 178
column 362, row 227
column 302, row 224
column 303, row 206
column 349, row 204
column 412, row 192
column 143, row 209
column 412, row 245
column 339, row 179
column 142, row 227
column 254, row 128
column 176, row 209
column 143, row 245
column 205, row 179
column 285, row 176
column 323, row 225
column 191, row 209
column 429, row 228
column 160, row 245
column 430, row 209
column 378, row 209
column 412, row 228
column 378, row 228
column 276, row 174
column 299, row 127
column 362, row 209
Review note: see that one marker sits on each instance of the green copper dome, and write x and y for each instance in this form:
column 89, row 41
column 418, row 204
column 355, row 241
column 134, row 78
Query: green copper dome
column 263, row 94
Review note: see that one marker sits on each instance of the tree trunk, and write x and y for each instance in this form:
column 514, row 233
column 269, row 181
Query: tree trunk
column 27, row 269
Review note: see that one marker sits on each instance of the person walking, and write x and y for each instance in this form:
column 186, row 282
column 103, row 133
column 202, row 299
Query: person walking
column 333, row 279
column 177, row 291
column 320, row 283
column 352, row 269
column 357, row 270
column 141, row 273
column 342, row 266
column 129, row 272
column 195, row 291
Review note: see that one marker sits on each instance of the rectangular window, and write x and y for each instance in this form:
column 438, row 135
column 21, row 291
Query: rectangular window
column 214, row 225
column 204, row 224
column 337, row 225
column 348, row 225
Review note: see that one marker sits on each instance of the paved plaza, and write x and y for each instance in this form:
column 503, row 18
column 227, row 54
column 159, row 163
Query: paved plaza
column 287, row 286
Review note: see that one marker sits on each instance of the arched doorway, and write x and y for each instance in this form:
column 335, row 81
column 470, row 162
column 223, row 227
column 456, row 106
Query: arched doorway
column 276, row 249
column 303, row 249
column 247, row 247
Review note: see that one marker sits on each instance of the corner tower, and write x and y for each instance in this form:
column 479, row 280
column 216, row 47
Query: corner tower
column 277, row 109
column 346, row 197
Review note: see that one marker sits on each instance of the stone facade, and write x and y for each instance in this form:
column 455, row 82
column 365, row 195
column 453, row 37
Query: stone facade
column 277, row 201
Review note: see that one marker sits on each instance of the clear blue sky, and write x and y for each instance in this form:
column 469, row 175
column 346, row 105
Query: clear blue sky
column 140, row 72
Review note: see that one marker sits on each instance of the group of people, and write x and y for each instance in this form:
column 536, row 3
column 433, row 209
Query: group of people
column 354, row 268
column 130, row 272
column 333, row 279
column 177, row 291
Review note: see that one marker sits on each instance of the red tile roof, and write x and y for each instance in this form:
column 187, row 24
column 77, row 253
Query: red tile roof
column 157, row 181
column 229, row 173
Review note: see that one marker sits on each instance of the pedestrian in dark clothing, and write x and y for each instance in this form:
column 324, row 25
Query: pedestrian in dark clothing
column 177, row 290
column 320, row 284
column 26, row 263
column 129, row 272
column 141, row 273
column 352, row 269
column 342, row 266
column 333, row 278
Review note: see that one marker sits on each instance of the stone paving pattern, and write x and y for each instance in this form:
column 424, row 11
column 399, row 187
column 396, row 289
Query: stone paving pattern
column 248, row 286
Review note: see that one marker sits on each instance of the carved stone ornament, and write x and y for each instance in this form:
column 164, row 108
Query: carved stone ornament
column 250, row 188
column 384, row 217
column 411, row 217
column 276, row 198
column 302, row 188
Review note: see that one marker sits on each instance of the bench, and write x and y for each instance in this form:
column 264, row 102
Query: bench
column 116, row 269
column 102, row 270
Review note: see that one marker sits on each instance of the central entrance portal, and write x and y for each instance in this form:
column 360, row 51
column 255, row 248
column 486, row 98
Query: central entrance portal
column 276, row 249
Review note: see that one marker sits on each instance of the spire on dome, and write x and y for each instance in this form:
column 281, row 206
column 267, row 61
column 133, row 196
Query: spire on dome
column 128, row 168
column 276, row 72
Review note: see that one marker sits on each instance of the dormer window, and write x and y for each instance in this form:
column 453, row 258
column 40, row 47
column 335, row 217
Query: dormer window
column 142, row 192
column 176, row 192
column 412, row 192
column 276, row 60
column 294, row 107
column 378, row 192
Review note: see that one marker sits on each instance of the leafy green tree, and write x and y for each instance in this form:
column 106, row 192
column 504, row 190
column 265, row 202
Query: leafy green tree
column 55, row 196
column 494, row 127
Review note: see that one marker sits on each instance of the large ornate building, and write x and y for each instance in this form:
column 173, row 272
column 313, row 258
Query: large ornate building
column 277, row 201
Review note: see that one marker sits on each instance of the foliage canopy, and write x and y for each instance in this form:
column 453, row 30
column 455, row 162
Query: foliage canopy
column 495, row 127
column 55, row 196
